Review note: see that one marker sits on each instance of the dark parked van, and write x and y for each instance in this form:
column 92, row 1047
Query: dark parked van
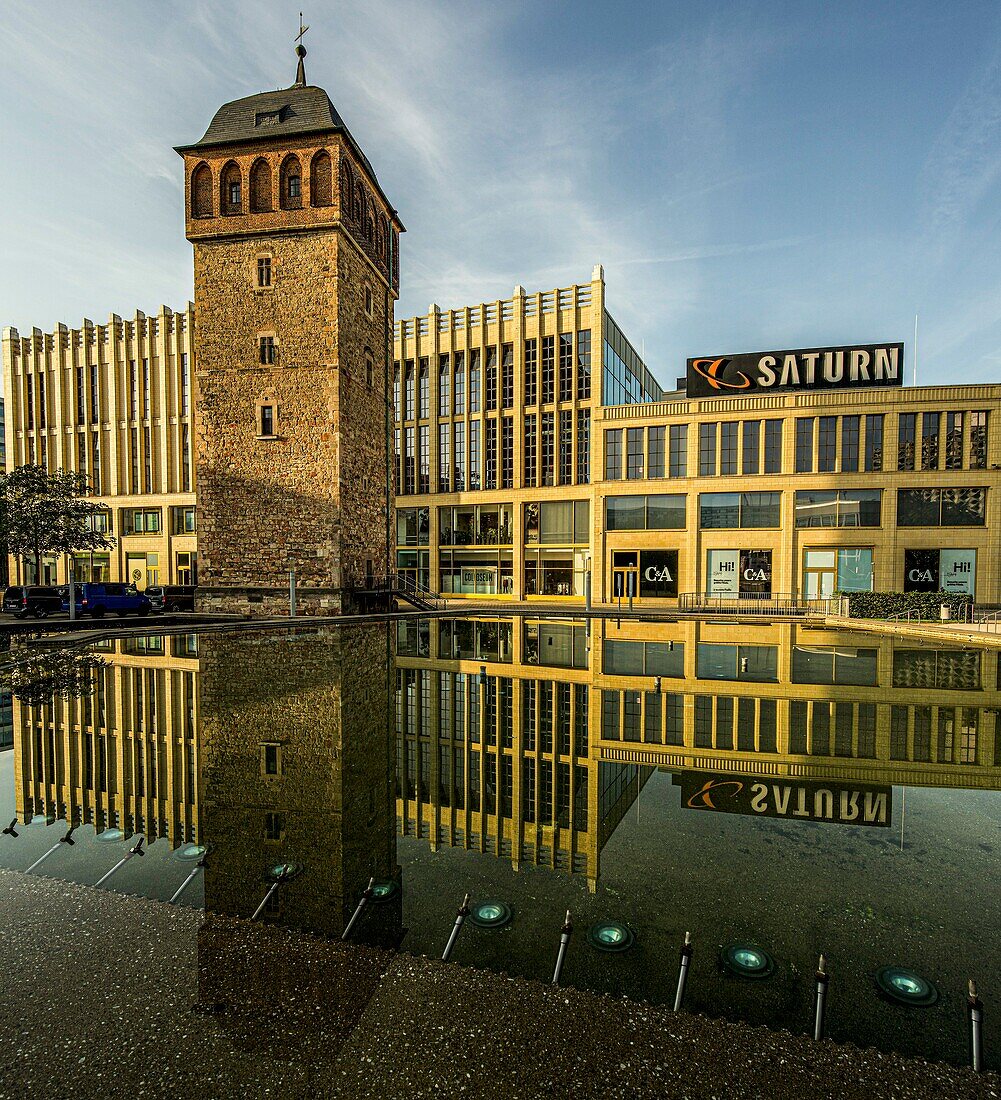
column 172, row 597
column 99, row 599
column 37, row 600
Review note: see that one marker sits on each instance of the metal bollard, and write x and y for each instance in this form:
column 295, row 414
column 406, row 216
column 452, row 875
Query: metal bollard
column 820, row 999
column 362, row 902
column 456, row 928
column 686, row 961
column 199, row 866
column 565, row 933
column 136, row 851
column 975, row 1009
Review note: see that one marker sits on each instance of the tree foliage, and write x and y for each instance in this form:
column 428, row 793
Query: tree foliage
column 47, row 513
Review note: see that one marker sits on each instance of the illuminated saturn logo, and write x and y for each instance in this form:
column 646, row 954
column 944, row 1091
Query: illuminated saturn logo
column 712, row 371
column 702, row 799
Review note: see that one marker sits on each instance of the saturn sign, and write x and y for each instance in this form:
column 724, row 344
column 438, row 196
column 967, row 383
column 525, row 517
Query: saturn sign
column 809, row 368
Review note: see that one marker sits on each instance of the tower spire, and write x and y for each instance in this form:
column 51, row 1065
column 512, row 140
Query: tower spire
column 300, row 52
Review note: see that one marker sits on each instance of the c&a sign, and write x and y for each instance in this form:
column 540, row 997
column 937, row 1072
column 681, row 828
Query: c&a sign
column 809, row 368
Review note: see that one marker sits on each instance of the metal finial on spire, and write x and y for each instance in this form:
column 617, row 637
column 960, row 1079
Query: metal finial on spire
column 300, row 52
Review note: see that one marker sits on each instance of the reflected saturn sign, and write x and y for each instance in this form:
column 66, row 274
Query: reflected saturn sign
column 835, row 803
column 809, row 368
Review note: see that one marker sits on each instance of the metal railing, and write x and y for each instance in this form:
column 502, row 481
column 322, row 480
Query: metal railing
column 758, row 603
column 400, row 584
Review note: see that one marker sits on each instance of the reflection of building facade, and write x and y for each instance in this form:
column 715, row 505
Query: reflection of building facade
column 297, row 769
column 517, row 476
column 537, row 760
column 124, row 755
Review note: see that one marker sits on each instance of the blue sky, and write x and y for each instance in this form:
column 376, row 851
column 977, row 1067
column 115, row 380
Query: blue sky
column 753, row 176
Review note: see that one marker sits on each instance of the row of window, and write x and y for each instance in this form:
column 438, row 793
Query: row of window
column 957, row 507
column 87, row 392
column 824, row 444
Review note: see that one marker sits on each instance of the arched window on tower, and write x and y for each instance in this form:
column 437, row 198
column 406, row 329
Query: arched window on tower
column 291, row 183
column 260, row 186
column 382, row 235
column 359, row 203
column 321, row 180
column 347, row 187
column 231, row 189
column 201, row 192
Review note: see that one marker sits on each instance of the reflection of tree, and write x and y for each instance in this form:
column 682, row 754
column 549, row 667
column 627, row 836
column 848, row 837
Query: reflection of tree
column 38, row 681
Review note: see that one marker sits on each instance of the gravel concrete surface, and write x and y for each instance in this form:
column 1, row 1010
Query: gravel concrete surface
column 105, row 995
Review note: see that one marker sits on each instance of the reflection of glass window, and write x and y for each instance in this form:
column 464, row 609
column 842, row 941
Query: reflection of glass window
column 948, row 669
column 838, row 508
column 658, row 512
column 959, row 507
column 739, row 509
column 736, row 662
column 834, row 665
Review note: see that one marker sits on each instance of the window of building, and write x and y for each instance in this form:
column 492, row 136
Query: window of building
column 490, row 380
column 459, row 454
column 490, row 455
column 444, row 397
column 142, row 521
column 739, row 509
column 954, row 441
column 474, row 454
column 943, row 669
column 531, row 444
column 507, row 453
column 804, row 445
column 424, row 388
column 773, row 446
column 728, row 447
column 834, row 665
column 266, row 346
column 707, row 450
column 583, row 364
column 274, row 826
column 566, row 366
column 874, row 442
column 264, row 271
column 828, row 570
column 183, row 520
column 583, row 446
column 369, row 370
column 827, row 443
column 566, row 447
column 409, row 390
column 849, row 444
column 265, row 421
column 634, row 453
column 184, row 566
column 678, row 443
column 978, row 440
column 81, row 398
column 271, row 758
column 558, row 522
column 750, row 457
column 444, row 463
column 613, row 454
column 548, row 370
column 369, row 301
column 476, row 525
column 655, row 512
column 655, row 451
column 960, row 507
column 293, row 186
column 474, row 381
column 756, row 663
column 507, row 376
column 424, row 459
column 838, row 507
column 531, row 373
column 929, row 440
column 459, row 405
column 185, row 385
column 906, row 428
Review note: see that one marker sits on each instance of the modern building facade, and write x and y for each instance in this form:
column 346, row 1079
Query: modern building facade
column 519, row 479
column 115, row 403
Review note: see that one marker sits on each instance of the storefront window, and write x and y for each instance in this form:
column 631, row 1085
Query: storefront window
column 940, row 571
column 659, row 512
column 474, row 640
column 739, row 509
column 476, row 525
column 960, row 507
column 412, row 526
column 558, row 522
column 838, row 508
column 846, row 569
column 739, row 573
column 556, row 645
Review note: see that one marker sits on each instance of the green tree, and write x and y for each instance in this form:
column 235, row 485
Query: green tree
column 48, row 513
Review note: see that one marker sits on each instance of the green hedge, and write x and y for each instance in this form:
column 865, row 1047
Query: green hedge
column 881, row 605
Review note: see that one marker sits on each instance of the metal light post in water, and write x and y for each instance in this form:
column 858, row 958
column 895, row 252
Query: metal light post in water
column 67, row 839
column 565, row 933
column 187, row 882
column 975, row 1010
column 136, row 851
column 363, row 901
column 820, row 999
column 686, row 961
column 456, row 928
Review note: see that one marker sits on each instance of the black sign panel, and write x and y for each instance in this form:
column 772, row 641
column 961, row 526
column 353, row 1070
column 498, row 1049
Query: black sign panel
column 659, row 573
column 808, row 368
column 753, row 796
column 921, row 571
column 756, row 572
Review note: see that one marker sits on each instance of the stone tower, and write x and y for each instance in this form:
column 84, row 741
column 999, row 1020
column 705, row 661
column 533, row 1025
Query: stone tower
column 296, row 272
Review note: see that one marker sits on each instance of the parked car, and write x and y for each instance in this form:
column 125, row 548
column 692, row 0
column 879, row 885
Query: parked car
column 25, row 600
column 172, row 597
column 98, row 599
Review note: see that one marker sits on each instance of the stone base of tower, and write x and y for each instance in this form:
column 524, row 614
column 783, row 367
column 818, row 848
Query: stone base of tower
column 269, row 603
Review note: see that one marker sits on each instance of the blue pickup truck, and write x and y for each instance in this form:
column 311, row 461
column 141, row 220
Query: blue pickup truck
column 98, row 600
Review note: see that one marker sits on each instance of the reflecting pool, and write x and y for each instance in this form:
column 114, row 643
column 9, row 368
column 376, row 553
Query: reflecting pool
column 778, row 791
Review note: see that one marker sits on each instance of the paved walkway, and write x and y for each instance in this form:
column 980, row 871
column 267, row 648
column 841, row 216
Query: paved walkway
column 111, row 996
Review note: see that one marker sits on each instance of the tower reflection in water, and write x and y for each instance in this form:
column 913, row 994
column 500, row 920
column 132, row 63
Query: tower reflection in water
column 526, row 740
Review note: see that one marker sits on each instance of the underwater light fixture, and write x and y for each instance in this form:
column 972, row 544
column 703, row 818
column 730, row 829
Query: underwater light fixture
column 611, row 936
column 906, row 987
column 491, row 914
column 747, row 960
